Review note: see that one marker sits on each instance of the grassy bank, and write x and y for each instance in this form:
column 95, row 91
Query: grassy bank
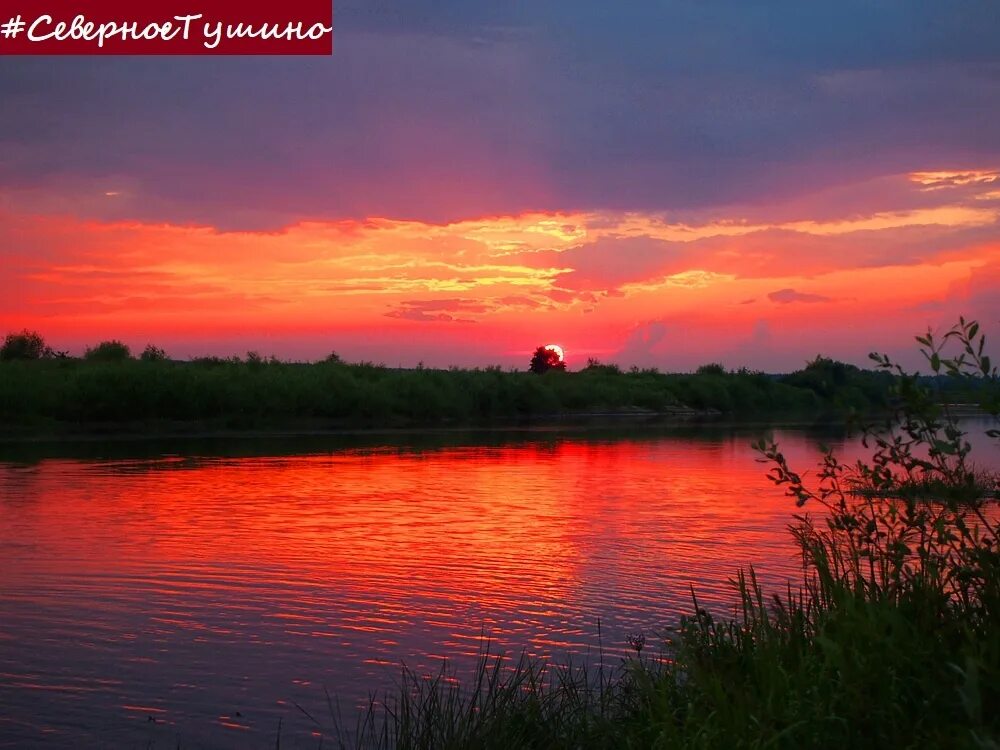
column 829, row 667
column 866, row 653
column 890, row 640
column 58, row 393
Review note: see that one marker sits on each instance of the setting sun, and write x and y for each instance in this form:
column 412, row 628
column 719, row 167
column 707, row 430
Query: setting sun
column 558, row 350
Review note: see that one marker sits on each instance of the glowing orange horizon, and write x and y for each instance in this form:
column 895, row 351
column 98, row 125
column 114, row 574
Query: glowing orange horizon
column 632, row 287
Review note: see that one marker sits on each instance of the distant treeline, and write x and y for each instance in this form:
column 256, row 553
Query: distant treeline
column 42, row 388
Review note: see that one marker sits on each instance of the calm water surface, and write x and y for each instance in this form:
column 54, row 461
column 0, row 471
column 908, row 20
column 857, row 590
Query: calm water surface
column 152, row 596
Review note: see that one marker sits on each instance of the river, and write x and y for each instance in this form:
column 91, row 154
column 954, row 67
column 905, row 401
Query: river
column 194, row 592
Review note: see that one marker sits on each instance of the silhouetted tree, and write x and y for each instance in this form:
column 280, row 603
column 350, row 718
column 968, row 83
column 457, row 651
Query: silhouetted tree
column 24, row 345
column 544, row 360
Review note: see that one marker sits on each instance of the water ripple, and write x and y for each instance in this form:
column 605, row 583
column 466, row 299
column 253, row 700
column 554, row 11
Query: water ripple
column 200, row 598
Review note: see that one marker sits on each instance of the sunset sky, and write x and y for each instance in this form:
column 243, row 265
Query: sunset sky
column 663, row 184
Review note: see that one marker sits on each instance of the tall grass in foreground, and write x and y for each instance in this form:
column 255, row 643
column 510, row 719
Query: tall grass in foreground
column 891, row 640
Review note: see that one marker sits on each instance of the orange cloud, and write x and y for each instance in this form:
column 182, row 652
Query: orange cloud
column 939, row 180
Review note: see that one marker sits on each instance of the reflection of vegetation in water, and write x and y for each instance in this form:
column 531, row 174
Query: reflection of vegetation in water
column 38, row 386
column 892, row 639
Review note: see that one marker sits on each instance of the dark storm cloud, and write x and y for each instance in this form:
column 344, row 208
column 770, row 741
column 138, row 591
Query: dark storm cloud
column 453, row 109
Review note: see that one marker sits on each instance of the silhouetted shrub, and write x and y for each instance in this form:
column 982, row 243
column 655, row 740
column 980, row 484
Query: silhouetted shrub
column 24, row 345
column 153, row 354
column 713, row 368
column 594, row 365
column 108, row 351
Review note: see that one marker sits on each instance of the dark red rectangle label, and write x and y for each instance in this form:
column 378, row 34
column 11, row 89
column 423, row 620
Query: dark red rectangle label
column 166, row 27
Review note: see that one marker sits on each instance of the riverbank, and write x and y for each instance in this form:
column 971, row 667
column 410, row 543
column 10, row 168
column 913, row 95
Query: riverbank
column 76, row 397
column 220, row 429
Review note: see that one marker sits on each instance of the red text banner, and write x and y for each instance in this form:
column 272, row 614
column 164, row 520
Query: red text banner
column 166, row 27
